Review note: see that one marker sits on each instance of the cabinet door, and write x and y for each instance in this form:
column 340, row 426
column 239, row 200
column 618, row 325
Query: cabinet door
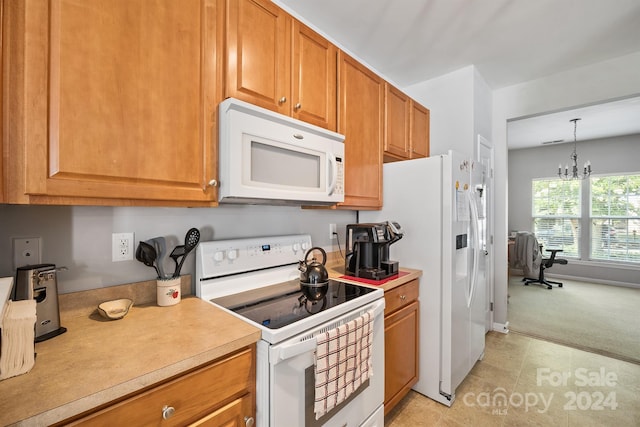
column 313, row 78
column 397, row 114
column 119, row 99
column 235, row 414
column 360, row 119
column 401, row 369
column 258, row 54
column 419, row 130
column 198, row 395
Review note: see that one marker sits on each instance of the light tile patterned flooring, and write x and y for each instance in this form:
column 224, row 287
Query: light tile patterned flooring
column 543, row 384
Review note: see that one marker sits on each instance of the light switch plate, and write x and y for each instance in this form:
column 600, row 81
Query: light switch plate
column 26, row 251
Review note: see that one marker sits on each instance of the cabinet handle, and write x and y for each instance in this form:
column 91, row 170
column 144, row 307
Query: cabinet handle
column 282, row 100
column 248, row 421
column 167, row 412
column 213, row 183
column 297, row 106
column 403, row 297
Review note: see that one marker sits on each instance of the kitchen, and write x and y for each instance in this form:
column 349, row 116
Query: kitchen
column 80, row 237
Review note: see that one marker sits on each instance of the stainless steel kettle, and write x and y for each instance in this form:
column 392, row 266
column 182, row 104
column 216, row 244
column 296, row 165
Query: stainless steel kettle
column 314, row 278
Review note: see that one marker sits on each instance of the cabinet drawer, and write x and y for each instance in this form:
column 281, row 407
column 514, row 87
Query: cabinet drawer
column 192, row 396
column 400, row 296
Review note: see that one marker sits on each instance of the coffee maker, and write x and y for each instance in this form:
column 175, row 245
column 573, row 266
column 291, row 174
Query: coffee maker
column 368, row 250
column 39, row 282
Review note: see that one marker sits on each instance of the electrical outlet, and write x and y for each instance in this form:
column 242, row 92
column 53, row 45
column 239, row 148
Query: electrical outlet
column 332, row 232
column 121, row 247
column 26, row 251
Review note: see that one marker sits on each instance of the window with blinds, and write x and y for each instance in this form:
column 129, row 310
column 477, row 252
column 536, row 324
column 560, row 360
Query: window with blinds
column 615, row 218
column 556, row 214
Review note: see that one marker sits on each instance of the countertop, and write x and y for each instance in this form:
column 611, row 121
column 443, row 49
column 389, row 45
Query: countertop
column 99, row 360
column 335, row 268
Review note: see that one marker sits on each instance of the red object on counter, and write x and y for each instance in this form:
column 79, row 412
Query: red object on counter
column 375, row 282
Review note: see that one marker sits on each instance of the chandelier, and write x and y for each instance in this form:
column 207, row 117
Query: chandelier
column 586, row 170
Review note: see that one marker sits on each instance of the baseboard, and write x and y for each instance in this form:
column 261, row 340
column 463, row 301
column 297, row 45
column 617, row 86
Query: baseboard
column 501, row 327
column 592, row 280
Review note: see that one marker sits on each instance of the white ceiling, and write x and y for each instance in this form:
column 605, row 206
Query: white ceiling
column 508, row 41
column 615, row 118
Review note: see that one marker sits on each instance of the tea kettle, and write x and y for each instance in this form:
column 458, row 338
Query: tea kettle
column 314, row 278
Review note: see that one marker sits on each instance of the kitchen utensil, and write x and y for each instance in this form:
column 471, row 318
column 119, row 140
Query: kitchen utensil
column 39, row 282
column 314, row 278
column 147, row 255
column 160, row 245
column 191, row 240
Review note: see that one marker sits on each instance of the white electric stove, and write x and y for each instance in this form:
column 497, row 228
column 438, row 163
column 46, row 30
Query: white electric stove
column 257, row 280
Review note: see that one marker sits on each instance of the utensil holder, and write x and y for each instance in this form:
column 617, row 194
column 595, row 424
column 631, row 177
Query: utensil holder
column 168, row 291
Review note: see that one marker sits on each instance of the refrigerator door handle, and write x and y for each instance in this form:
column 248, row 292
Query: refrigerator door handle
column 476, row 248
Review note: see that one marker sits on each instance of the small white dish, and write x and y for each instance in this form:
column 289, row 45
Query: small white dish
column 115, row 309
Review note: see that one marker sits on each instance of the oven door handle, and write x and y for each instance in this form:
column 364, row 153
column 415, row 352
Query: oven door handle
column 287, row 351
column 281, row 352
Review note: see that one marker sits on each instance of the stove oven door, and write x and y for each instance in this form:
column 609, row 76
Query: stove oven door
column 291, row 385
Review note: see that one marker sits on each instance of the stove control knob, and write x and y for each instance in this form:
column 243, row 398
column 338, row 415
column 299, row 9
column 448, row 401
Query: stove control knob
column 218, row 256
column 296, row 247
column 232, row 254
column 305, row 246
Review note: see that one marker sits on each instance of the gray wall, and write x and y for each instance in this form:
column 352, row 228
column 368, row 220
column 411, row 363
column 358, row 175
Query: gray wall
column 608, row 156
column 79, row 237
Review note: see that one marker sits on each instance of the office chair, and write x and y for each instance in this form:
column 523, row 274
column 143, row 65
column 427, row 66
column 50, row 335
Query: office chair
column 525, row 253
column 547, row 263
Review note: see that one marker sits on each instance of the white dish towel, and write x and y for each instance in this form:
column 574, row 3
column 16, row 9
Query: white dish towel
column 18, row 333
column 342, row 362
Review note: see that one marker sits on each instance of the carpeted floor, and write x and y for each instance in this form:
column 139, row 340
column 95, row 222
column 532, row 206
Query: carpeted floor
column 599, row 318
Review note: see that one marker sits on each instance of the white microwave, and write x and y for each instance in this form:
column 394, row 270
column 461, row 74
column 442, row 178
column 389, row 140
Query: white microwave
column 269, row 158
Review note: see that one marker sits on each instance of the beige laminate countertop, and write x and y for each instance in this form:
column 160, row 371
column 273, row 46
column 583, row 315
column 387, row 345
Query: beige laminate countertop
column 97, row 360
column 335, row 268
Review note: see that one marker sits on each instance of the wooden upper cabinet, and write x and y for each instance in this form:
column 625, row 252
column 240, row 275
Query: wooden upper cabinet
column 117, row 100
column 258, row 54
column 397, row 112
column 407, row 127
column 361, row 120
column 313, row 78
column 278, row 63
column 419, row 135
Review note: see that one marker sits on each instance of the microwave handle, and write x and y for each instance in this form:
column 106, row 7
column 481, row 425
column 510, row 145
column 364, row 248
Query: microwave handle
column 334, row 174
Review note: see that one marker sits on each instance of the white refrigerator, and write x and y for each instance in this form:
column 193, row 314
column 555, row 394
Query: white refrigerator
column 439, row 203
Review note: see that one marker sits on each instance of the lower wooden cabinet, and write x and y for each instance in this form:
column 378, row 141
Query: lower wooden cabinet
column 221, row 393
column 401, row 342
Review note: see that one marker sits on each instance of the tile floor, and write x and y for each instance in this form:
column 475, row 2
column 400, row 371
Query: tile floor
column 542, row 383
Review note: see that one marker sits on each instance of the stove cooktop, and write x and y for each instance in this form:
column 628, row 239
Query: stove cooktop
column 282, row 304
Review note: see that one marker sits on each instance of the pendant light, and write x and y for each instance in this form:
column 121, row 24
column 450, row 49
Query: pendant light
column 573, row 174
